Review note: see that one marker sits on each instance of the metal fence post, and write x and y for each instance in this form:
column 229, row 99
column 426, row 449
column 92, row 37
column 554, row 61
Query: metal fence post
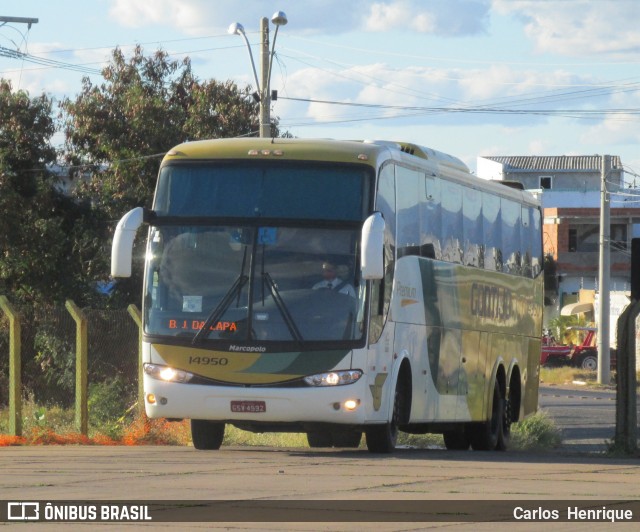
column 134, row 312
column 82, row 349
column 15, row 367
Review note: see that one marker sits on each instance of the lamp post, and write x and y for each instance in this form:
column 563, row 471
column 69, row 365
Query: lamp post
column 266, row 63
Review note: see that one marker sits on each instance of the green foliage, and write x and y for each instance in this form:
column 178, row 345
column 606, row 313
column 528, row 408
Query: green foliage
column 56, row 358
column 559, row 325
column 38, row 416
column 110, row 406
column 537, row 432
column 237, row 437
column 419, row 441
column 566, row 375
column 32, row 232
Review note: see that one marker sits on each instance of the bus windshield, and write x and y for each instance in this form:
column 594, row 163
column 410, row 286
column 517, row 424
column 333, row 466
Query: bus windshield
column 276, row 190
column 254, row 284
column 238, row 251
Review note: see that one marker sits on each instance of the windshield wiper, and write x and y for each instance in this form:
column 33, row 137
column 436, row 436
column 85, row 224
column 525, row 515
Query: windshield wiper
column 282, row 307
column 217, row 312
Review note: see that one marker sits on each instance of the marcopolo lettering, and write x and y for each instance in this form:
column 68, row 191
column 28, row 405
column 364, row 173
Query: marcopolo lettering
column 247, row 349
column 491, row 302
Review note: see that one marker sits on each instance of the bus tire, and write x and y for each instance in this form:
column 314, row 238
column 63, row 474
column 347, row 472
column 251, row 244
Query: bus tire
column 457, row 440
column 317, row 439
column 487, row 435
column 383, row 438
column 505, row 432
column 207, row 435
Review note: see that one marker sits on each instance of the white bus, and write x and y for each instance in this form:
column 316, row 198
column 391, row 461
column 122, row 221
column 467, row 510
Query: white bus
column 432, row 322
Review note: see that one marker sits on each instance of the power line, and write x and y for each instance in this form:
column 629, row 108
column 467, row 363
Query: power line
column 555, row 96
column 470, row 109
column 14, row 54
column 455, row 59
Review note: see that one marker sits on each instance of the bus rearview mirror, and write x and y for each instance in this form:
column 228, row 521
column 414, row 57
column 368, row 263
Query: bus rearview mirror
column 122, row 248
column 372, row 247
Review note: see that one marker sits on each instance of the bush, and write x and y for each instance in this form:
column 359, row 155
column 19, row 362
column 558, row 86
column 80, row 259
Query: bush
column 110, row 405
column 537, row 432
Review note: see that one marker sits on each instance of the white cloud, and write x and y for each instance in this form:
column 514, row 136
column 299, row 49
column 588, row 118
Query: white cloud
column 381, row 83
column 614, row 130
column 617, row 129
column 439, row 17
column 432, row 91
column 579, row 27
column 189, row 15
column 538, row 147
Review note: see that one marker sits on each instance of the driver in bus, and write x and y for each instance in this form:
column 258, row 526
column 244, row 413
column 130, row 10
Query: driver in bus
column 331, row 281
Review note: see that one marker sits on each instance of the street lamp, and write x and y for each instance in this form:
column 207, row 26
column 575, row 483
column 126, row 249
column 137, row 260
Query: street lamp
column 266, row 63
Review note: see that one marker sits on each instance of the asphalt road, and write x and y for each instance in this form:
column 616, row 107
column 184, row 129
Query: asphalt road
column 586, row 417
column 86, row 473
column 496, row 481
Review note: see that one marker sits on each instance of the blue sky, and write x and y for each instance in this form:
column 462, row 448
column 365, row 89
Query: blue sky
column 468, row 77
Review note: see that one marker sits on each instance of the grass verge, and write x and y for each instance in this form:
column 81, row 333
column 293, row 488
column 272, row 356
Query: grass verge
column 569, row 375
column 537, row 432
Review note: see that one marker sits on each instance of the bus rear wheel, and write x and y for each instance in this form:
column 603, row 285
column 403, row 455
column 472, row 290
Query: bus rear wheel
column 490, row 435
column 207, row 435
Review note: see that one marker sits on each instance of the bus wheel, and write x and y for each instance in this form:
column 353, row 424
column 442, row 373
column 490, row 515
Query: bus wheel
column 505, row 431
column 319, row 439
column 457, row 440
column 207, row 435
column 487, row 435
column 383, row 438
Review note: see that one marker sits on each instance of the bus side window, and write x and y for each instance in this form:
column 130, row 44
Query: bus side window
column 511, row 213
column 492, row 235
column 472, row 227
column 537, row 254
column 409, row 187
column 527, row 241
column 430, row 219
column 451, row 222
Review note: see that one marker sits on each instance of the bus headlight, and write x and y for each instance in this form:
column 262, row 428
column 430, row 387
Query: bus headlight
column 334, row 378
column 167, row 373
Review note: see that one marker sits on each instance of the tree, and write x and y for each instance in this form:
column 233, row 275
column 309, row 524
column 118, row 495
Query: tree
column 118, row 131
column 32, row 223
column 146, row 105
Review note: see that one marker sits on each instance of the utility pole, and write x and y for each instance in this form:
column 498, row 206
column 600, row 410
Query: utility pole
column 265, row 97
column 604, row 275
column 22, row 20
column 263, row 87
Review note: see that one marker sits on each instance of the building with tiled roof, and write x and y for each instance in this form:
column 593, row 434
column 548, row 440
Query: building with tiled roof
column 569, row 189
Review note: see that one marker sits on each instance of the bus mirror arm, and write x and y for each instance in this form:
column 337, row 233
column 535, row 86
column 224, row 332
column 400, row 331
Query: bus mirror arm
column 372, row 247
column 125, row 233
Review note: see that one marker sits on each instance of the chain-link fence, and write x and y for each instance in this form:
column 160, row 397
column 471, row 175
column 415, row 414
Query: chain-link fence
column 48, row 359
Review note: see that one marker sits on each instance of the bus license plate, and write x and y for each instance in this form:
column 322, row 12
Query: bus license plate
column 248, row 407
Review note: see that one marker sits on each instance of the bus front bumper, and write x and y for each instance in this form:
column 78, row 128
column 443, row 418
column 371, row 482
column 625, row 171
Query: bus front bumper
column 327, row 404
